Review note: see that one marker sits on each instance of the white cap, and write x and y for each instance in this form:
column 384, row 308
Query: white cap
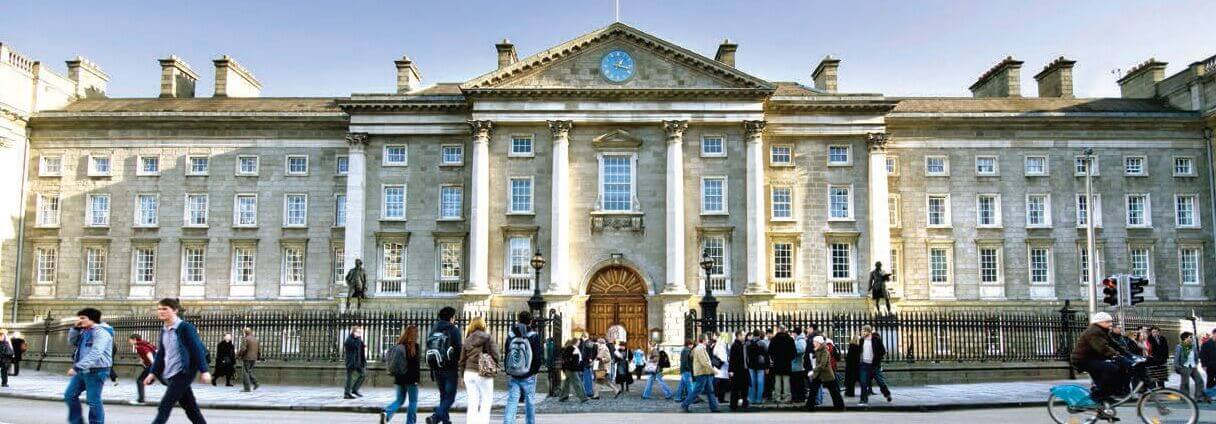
column 1100, row 317
column 818, row 339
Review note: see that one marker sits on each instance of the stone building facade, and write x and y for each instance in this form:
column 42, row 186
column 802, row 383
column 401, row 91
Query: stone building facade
column 623, row 159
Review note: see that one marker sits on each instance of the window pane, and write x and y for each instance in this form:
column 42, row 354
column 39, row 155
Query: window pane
column 1189, row 265
column 394, row 155
column 1039, row 273
column 99, row 210
column 192, row 264
column 450, row 202
column 783, row 265
column 782, row 202
column 199, row 165
column 519, row 254
column 1185, row 210
column 296, row 209
column 712, row 195
column 293, row 265
column 521, row 195
column 95, row 265
column 618, row 183
column 938, row 266
column 343, row 165
column 196, row 209
column 715, row 248
column 393, row 266
column 521, row 145
column 838, row 200
column 297, row 164
column 48, row 260
column 780, row 155
column 1036, row 165
column 841, row 257
column 838, row 154
column 1139, row 262
column 394, row 202
column 988, row 266
column 243, row 262
column 248, row 164
column 453, row 154
column 449, row 260
column 340, row 210
column 145, row 265
column 712, row 146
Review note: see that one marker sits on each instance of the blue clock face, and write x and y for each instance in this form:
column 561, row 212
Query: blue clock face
column 617, row 66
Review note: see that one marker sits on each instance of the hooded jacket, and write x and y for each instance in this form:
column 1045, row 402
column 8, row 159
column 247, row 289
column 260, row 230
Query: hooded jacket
column 94, row 347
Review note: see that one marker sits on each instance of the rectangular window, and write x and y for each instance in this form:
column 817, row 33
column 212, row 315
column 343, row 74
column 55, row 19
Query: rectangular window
column 519, row 253
column 451, row 199
column 715, row 248
column 990, row 265
column 521, row 195
column 1184, row 210
column 246, row 165
column 198, row 165
column 340, row 210
column 617, row 182
column 985, row 165
column 246, row 211
column 1134, row 166
column 99, row 166
column 295, row 210
column 840, row 203
column 1085, row 164
column 393, row 199
column 244, row 265
column 713, row 146
column 50, row 166
column 149, row 166
column 894, row 214
column 48, row 210
column 392, row 267
column 452, row 155
column 713, row 195
column 99, row 210
column 939, row 210
column 1184, row 167
column 1188, row 265
column 297, row 165
column 892, row 166
column 196, row 210
column 783, row 261
column 782, row 199
column 782, row 155
column 339, row 261
column 193, row 260
column 1083, row 210
column 293, row 265
column 839, row 155
column 47, row 263
column 342, row 165
column 1040, row 265
column 1139, row 262
column 1036, row 166
column 95, row 265
column 144, row 263
column 842, row 261
column 936, row 166
column 449, row 260
column 988, row 208
column 147, row 210
column 1137, row 210
column 521, row 145
column 939, row 265
column 894, row 269
column 1038, row 210
column 1083, row 259
column 395, row 155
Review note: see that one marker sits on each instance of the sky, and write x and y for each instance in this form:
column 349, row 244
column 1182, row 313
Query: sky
column 335, row 48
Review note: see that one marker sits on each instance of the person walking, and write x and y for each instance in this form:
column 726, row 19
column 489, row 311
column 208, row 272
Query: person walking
column 522, row 364
column 181, row 355
column 757, row 365
column 1160, row 349
column 6, row 357
column 781, row 349
column 685, row 371
column 91, row 362
column 249, row 354
column 571, row 363
column 769, row 378
column 1186, row 364
column 443, row 348
column 739, row 372
column 19, row 348
column 720, row 359
column 603, row 364
column 621, row 365
column 639, row 363
column 589, row 352
column 403, row 362
column 654, row 370
column 823, row 376
column 798, row 367
column 1207, row 359
column 870, row 369
column 479, row 362
column 354, row 354
column 225, row 361
column 703, row 375
column 146, row 353
column 852, row 366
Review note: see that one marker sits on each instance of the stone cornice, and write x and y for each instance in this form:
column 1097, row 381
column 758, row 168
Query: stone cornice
column 392, row 103
column 811, row 105
column 618, row 93
column 9, row 112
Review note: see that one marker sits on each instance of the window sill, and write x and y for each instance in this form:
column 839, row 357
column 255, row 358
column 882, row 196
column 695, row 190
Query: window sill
column 1083, row 175
column 392, row 219
column 1185, row 175
column 528, row 213
column 246, row 175
column 1140, row 227
column 296, row 175
column 721, row 213
column 451, row 165
column 850, row 219
column 936, row 175
column 1188, row 227
column 1038, row 227
column 990, row 227
column 1037, row 175
column 393, row 165
column 977, row 174
column 202, row 227
column 101, row 227
column 450, row 220
column 295, row 227
column 51, row 176
column 99, row 176
column 839, row 165
column 341, row 175
column 145, row 227
column 945, row 227
column 1136, row 175
column 713, row 155
column 616, row 213
column 788, row 220
column 245, row 227
column 521, row 156
column 1096, row 227
column 781, row 165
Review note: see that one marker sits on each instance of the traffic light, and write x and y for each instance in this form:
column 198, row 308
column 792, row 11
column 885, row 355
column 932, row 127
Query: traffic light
column 1135, row 287
column 1111, row 290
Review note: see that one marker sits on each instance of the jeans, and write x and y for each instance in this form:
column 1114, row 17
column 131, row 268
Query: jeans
column 781, row 390
column 755, row 393
column 178, row 391
column 411, row 415
column 139, row 385
column 656, row 378
column 516, row 387
column 866, row 373
column 571, row 384
column 446, row 380
column 1189, row 374
column 589, row 381
column 1109, row 377
column 248, row 378
column 685, row 386
column 701, row 384
column 92, row 383
column 480, row 391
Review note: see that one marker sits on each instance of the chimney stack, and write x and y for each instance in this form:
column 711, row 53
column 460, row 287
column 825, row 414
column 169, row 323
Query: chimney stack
column 176, row 78
column 1055, row 80
column 825, row 74
column 726, row 53
column 1002, row 80
column 408, row 76
column 506, row 53
column 233, row 80
column 1141, row 81
column 89, row 78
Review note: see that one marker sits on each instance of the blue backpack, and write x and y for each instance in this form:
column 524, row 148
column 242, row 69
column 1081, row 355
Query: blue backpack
column 1073, row 395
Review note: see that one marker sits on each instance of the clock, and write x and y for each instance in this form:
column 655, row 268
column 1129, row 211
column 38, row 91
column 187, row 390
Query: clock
column 617, row 66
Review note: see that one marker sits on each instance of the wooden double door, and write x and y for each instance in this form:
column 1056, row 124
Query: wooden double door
column 617, row 296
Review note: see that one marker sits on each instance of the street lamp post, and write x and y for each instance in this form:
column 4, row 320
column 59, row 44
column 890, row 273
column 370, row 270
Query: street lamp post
column 709, row 304
column 1089, row 231
column 537, row 302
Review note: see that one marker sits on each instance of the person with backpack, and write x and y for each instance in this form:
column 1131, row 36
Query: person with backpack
column 797, row 367
column 403, row 362
column 571, row 363
column 146, row 353
column 757, row 366
column 522, row 363
column 443, row 345
column 656, row 361
column 354, row 351
column 479, row 363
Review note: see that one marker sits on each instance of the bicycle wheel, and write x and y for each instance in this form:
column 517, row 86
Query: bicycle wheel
column 1061, row 413
column 1167, row 406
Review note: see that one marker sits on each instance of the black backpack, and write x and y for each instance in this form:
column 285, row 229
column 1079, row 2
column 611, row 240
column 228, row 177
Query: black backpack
column 664, row 361
column 438, row 350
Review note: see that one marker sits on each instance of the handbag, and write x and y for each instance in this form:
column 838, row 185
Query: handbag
column 651, row 367
column 486, row 366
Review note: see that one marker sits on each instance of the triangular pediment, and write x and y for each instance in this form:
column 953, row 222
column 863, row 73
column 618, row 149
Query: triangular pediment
column 616, row 139
column 575, row 64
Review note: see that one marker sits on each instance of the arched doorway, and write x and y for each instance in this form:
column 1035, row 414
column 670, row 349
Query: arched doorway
column 618, row 297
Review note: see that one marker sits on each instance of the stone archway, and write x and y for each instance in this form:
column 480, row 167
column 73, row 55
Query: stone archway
column 617, row 296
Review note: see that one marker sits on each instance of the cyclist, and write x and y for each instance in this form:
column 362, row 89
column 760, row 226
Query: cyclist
column 1096, row 354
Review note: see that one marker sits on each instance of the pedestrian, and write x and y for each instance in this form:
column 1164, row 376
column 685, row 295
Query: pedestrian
column 740, row 374
column 443, row 347
column 798, row 367
column 720, row 359
column 639, row 363
column 354, row 354
column 823, row 376
column 572, row 368
column 479, row 362
column 1159, row 350
column 181, row 355
column 147, row 354
column 589, row 352
column 782, row 350
column 621, row 365
column 769, row 377
column 113, row 372
column 522, row 363
column 6, row 357
column 603, row 365
column 1186, row 364
column 403, row 362
column 1207, row 359
column 685, row 371
column 703, row 375
column 852, row 366
column 250, row 354
column 655, row 364
column 870, row 369
column 19, row 348
column 757, row 364
column 91, row 362
column 225, row 361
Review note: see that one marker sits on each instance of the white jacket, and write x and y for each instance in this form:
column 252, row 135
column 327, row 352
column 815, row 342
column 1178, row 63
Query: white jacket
column 721, row 352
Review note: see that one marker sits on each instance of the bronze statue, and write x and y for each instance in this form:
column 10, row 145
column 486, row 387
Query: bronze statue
column 356, row 281
column 878, row 288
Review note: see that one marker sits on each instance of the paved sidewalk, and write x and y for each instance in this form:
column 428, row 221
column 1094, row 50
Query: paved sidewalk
column 45, row 386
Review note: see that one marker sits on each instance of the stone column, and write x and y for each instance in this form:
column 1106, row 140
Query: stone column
column 356, row 198
column 479, row 210
column 880, row 216
column 675, row 207
column 757, row 264
column 559, row 237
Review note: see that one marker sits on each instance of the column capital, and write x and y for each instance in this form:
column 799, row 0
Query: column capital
column 560, row 129
column 753, row 130
column 356, row 140
column 675, row 130
column 481, row 129
column 877, row 142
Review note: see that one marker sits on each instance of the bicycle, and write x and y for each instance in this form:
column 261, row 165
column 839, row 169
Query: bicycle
column 1070, row 404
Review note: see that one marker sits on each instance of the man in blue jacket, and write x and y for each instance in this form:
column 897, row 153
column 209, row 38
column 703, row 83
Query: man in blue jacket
column 181, row 355
column 91, row 364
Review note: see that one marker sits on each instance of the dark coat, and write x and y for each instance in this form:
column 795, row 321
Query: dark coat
column 354, row 353
column 225, row 359
column 455, row 340
column 852, row 358
column 18, row 347
column 880, row 350
column 413, row 368
column 686, row 360
column 590, row 350
column 782, row 350
column 1093, row 343
column 570, row 359
column 1161, row 349
column 192, row 351
column 757, row 356
column 1207, row 353
column 738, row 364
